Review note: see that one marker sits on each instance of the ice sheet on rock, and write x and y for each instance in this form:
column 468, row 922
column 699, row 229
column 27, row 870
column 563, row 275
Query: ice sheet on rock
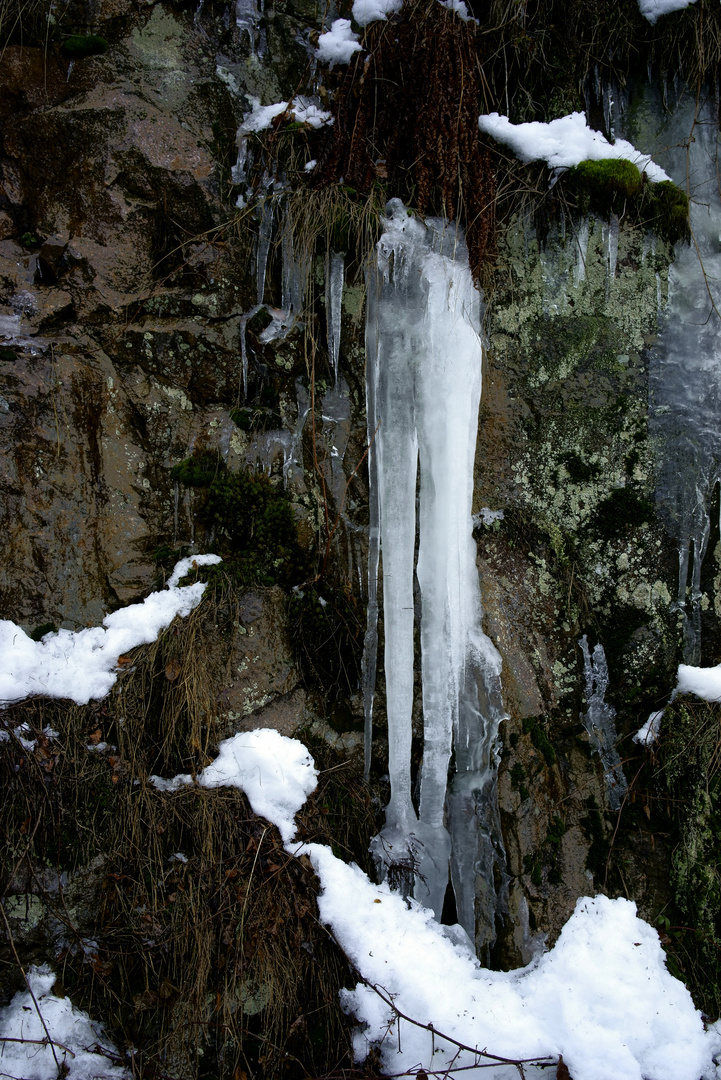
column 599, row 721
column 368, row 11
column 685, row 363
column 275, row 772
column 23, row 1037
column 654, row 9
column 423, row 385
column 338, row 44
column 82, row 665
column 564, row 142
column 602, row 996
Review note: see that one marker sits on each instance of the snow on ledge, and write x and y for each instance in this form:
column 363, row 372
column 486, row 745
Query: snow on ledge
column 304, row 110
column 82, row 665
column 654, row 9
column 564, row 142
column 338, row 44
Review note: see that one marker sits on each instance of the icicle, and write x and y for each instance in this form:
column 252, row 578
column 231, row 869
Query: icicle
column 599, row 722
column 424, row 385
column 265, row 235
column 581, row 251
column 244, row 320
column 246, row 19
column 613, row 235
column 334, row 274
column 294, row 273
column 370, row 644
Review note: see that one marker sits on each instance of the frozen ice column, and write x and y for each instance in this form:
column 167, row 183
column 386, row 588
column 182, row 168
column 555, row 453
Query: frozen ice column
column 424, row 383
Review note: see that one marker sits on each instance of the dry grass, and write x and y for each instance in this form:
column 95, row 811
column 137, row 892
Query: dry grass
column 215, row 966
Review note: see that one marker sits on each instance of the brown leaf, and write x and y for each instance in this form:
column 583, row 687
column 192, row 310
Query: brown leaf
column 123, row 661
column 95, row 737
column 172, row 670
column 562, row 1072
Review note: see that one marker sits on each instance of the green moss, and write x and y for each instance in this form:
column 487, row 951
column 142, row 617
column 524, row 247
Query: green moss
column 29, row 240
column 40, row 631
column 199, row 470
column 539, row 738
column 616, row 186
column 255, row 529
column 8, row 354
column 579, row 470
column 518, row 775
column 80, row 45
column 607, row 185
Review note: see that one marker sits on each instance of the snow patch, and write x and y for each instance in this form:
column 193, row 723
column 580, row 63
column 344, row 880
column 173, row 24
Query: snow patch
column 275, row 772
column 368, row 11
column 650, row 731
column 703, row 682
column 31, row 1058
column 338, row 44
column 654, row 9
column 82, row 665
column 564, row 142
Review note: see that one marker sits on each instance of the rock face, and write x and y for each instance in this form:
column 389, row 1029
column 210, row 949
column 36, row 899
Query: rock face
column 127, row 287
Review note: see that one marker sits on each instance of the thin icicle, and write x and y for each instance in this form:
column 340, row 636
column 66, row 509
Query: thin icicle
column 265, row 235
column 244, row 320
column 599, row 722
column 334, row 275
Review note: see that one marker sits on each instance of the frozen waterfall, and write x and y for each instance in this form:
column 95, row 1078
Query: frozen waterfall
column 424, row 358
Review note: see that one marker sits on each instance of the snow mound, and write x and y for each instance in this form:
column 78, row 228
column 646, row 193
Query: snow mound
column 338, row 44
column 602, row 997
column 82, row 665
column 275, row 772
column 31, row 1057
column 564, row 142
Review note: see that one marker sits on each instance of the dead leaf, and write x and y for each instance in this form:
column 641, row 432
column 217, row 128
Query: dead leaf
column 172, row 670
column 123, row 661
column 95, row 737
column 562, row 1072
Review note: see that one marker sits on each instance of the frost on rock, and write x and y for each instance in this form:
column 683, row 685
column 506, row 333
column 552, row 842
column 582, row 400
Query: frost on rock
column 82, row 665
column 424, row 357
column 599, row 719
column 79, row 1043
column 338, row 44
column 564, row 142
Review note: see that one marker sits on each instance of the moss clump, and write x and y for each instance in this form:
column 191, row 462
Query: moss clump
column 256, row 528
column 616, row 186
column 605, row 186
column 540, row 739
column 199, row 470
column 80, row 45
column 29, row 240
column 8, row 354
column 40, row 631
column 518, row 776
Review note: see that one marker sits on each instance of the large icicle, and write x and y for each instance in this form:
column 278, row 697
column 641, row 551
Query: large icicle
column 424, row 386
